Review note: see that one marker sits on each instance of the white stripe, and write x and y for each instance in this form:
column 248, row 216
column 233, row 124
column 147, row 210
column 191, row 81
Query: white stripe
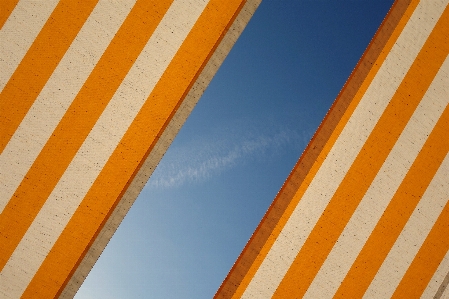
column 99, row 145
column 412, row 236
column 383, row 188
column 58, row 93
column 344, row 151
column 19, row 32
column 437, row 279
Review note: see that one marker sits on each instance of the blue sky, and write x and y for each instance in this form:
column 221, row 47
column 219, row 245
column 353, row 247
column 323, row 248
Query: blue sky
column 223, row 170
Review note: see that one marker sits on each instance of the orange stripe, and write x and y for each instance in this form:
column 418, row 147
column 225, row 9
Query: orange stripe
column 428, row 258
column 368, row 162
column 6, row 9
column 135, row 146
column 39, row 63
column 77, row 122
column 397, row 213
column 291, row 207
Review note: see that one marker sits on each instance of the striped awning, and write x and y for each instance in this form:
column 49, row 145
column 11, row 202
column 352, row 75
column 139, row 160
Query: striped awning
column 92, row 93
column 365, row 211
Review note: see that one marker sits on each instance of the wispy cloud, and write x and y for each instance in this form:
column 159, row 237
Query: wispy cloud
column 200, row 159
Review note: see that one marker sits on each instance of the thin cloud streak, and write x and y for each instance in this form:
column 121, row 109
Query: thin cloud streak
column 199, row 160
